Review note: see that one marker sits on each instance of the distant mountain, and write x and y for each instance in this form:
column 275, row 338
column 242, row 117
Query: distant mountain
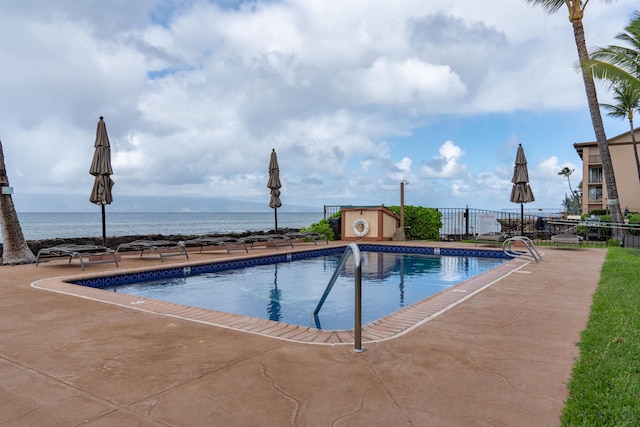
column 76, row 203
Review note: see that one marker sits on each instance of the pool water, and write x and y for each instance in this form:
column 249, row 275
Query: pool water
column 290, row 291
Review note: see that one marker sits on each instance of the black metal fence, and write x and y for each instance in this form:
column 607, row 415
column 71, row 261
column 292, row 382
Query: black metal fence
column 537, row 224
column 330, row 210
column 466, row 223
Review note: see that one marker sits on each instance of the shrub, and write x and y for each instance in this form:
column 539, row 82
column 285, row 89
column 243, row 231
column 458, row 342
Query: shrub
column 634, row 219
column 321, row 227
column 605, row 232
column 425, row 223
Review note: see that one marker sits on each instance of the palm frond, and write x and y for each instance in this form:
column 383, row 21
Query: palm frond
column 551, row 6
column 611, row 74
column 628, row 101
column 618, row 65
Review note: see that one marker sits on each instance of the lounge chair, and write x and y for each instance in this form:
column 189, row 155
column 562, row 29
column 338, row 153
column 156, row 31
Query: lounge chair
column 86, row 254
column 229, row 243
column 310, row 236
column 566, row 239
column 491, row 238
column 275, row 239
column 164, row 248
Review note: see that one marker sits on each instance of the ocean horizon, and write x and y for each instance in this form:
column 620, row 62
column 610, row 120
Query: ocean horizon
column 53, row 225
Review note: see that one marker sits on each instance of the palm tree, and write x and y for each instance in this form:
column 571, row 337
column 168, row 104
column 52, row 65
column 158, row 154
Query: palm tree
column 576, row 10
column 573, row 203
column 619, row 66
column 14, row 247
column 566, row 172
column 628, row 101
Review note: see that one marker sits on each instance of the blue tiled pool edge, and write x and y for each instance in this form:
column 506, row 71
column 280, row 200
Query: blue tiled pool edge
column 175, row 272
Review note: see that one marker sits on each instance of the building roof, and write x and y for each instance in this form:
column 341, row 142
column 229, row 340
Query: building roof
column 623, row 138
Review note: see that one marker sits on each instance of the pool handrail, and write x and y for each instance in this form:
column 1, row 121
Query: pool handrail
column 357, row 258
column 532, row 255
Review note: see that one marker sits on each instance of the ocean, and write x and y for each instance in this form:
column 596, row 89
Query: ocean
column 39, row 226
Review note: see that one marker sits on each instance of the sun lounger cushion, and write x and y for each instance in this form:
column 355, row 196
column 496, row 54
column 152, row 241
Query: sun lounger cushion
column 566, row 239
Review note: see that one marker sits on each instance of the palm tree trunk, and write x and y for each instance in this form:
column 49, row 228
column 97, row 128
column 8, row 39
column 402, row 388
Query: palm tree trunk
column 635, row 147
column 598, row 126
column 14, row 247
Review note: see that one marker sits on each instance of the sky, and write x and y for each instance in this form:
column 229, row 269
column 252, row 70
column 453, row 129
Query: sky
column 355, row 96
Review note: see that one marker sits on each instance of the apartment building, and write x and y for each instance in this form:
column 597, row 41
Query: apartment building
column 594, row 189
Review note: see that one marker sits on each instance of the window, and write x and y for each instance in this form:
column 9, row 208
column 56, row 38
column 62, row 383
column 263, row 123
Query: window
column 595, row 174
column 595, row 194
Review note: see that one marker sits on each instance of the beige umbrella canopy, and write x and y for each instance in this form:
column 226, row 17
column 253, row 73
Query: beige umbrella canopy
column 274, row 184
column 101, row 170
column 521, row 191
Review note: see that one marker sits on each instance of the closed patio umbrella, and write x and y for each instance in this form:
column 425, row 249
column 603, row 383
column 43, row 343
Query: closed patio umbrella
column 101, row 170
column 274, row 184
column 521, row 191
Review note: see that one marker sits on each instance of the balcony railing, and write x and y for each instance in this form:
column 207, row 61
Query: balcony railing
column 594, row 159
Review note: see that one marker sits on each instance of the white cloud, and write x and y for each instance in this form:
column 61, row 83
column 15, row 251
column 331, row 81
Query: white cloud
column 549, row 181
column 446, row 164
column 551, row 166
column 412, row 83
column 352, row 96
column 404, row 165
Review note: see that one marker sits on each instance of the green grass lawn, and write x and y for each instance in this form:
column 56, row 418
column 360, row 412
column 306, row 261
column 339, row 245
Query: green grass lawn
column 604, row 389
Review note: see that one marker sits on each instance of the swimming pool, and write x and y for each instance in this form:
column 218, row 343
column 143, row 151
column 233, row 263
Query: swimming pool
column 277, row 289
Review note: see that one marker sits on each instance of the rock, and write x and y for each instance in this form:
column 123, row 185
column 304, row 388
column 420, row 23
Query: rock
column 114, row 241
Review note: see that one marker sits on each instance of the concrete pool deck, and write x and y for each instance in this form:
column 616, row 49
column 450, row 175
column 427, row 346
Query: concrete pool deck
column 499, row 358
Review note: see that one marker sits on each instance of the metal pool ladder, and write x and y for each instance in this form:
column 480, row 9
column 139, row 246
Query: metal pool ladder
column 531, row 252
column 357, row 258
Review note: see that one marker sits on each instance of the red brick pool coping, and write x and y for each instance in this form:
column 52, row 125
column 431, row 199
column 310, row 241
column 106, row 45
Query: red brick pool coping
column 388, row 327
